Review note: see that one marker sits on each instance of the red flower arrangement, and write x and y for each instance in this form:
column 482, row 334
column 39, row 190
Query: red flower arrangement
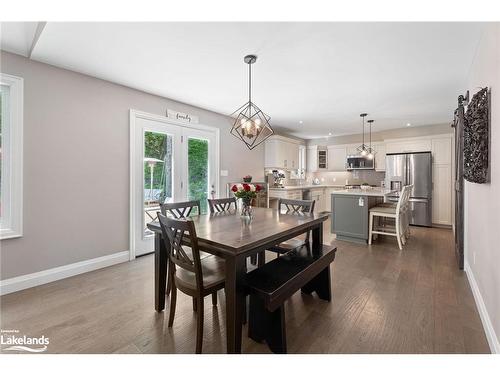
column 246, row 191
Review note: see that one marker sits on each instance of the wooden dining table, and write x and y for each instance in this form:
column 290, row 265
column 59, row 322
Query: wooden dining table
column 235, row 238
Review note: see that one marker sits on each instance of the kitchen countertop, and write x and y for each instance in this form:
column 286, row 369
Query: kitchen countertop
column 373, row 192
column 302, row 187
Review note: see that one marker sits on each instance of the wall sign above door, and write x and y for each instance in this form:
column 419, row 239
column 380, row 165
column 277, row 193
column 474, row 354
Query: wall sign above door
column 185, row 117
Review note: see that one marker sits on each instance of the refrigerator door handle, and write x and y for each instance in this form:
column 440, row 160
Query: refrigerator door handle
column 423, row 200
column 410, row 177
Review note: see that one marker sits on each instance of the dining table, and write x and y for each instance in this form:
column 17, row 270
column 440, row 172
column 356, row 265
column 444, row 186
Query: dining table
column 235, row 238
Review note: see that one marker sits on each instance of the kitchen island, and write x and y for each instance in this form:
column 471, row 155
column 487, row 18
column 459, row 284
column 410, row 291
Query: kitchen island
column 350, row 212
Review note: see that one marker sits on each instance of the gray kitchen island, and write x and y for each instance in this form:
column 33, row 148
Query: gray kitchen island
column 350, row 212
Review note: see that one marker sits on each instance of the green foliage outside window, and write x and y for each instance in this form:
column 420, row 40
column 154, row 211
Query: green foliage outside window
column 198, row 171
column 159, row 146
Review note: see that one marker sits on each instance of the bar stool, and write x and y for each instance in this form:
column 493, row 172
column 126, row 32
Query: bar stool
column 400, row 213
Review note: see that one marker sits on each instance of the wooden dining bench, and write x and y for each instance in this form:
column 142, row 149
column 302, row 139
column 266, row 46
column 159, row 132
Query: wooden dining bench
column 273, row 283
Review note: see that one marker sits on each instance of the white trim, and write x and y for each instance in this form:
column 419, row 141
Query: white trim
column 422, row 137
column 132, row 186
column 14, row 148
column 134, row 114
column 483, row 312
column 47, row 276
column 283, row 138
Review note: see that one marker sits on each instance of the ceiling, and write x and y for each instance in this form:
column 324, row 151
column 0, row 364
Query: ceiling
column 311, row 78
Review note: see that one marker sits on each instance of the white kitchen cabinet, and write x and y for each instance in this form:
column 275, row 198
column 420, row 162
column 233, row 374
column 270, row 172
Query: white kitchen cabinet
column 302, row 157
column 318, row 195
column 379, row 156
column 281, row 152
column 317, row 158
column 441, row 194
column 408, row 145
column 441, row 150
column 285, row 193
column 322, row 158
column 352, row 149
column 312, row 158
column 337, row 156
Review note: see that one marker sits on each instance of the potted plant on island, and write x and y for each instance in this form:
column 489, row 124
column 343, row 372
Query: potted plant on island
column 246, row 192
column 247, row 178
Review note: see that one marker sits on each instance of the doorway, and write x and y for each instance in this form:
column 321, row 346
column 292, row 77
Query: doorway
column 169, row 162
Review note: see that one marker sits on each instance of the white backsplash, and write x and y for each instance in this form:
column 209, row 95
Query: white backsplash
column 351, row 178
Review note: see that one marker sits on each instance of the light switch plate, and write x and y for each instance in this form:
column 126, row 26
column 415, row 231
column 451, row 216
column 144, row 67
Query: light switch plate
column 224, row 172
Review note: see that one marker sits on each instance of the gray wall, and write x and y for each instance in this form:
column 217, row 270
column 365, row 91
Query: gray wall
column 411, row 131
column 482, row 201
column 76, row 164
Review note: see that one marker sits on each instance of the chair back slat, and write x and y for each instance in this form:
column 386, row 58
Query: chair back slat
column 296, row 206
column 174, row 231
column 404, row 198
column 221, row 205
column 180, row 210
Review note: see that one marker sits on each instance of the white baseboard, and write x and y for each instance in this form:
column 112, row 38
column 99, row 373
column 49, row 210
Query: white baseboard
column 483, row 313
column 43, row 277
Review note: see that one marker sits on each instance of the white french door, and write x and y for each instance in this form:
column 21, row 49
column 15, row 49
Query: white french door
column 170, row 162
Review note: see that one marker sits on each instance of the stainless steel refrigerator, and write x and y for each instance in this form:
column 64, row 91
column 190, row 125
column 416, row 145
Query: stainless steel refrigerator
column 412, row 169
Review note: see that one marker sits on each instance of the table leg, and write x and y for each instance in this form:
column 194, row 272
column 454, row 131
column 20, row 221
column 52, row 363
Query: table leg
column 235, row 299
column 317, row 238
column 161, row 261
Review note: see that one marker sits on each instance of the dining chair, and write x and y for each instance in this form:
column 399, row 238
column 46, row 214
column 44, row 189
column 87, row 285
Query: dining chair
column 195, row 276
column 180, row 210
column 221, row 204
column 293, row 207
column 400, row 213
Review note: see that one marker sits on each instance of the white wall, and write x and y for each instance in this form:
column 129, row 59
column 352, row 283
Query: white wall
column 76, row 165
column 482, row 201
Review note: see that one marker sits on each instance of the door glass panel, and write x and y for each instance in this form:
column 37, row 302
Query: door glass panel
column 157, row 175
column 198, row 171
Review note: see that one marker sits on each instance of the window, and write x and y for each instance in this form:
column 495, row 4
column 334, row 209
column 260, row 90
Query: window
column 11, row 153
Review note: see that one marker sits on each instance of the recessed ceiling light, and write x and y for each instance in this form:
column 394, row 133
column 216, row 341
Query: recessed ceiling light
column 329, row 133
column 408, row 124
column 301, row 122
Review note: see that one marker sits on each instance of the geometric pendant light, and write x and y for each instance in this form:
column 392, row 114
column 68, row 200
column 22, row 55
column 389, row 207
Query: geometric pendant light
column 371, row 151
column 363, row 149
column 251, row 125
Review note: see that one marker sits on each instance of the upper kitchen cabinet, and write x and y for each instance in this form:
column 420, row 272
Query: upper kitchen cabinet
column 398, row 146
column 441, row 150
column 281, row 152
column 312, row 158
column 380, row 150
column 337, row 156
column 351, row 149
column 302, row 157
column 317, row 158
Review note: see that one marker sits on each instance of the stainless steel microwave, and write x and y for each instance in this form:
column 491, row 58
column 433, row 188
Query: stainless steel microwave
column 359, row 162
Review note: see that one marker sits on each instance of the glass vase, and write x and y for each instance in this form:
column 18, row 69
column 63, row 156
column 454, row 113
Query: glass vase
column 246, row 207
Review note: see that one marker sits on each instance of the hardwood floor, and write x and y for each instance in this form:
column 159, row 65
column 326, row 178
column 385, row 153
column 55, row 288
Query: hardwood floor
column 384, row 301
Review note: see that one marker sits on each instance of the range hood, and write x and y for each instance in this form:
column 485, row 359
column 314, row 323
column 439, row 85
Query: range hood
column 356, row 162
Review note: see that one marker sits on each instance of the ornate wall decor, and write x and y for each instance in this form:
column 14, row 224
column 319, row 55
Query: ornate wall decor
column 476, row 138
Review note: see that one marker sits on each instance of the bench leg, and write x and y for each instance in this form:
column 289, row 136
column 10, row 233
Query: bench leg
column 320, row 284
column 264, row 325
